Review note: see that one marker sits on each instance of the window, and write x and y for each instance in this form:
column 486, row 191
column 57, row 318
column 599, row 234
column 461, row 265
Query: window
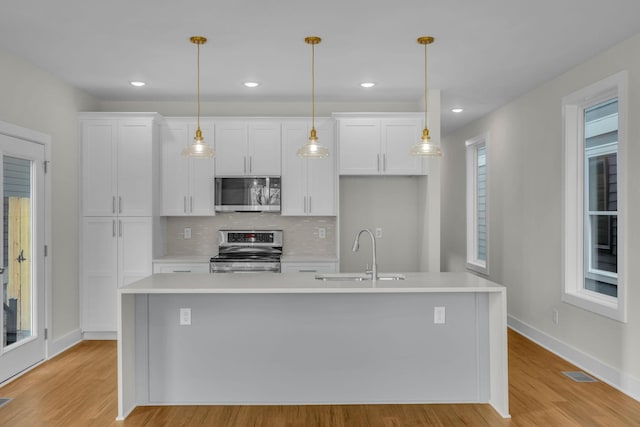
column 477, row 227
column 594, row 190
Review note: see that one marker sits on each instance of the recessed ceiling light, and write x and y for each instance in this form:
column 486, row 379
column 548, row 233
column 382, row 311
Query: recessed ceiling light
column 137, row 84
column 251, row 84
column 457, row 110
column 367, row 84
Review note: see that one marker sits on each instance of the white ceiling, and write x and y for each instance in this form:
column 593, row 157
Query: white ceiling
column 485, row 54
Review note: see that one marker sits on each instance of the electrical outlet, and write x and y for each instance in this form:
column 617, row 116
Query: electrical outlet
column 438, row 315
column 185, row 316
column 187, row 233
column 555, row 316
column 379, row 233
column 322, row 233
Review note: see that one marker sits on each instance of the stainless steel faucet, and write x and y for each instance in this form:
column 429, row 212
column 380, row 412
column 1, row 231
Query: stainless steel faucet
column 356, row 246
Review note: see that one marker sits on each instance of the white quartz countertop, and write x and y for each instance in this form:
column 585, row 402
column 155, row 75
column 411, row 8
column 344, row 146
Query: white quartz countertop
column 305, row 283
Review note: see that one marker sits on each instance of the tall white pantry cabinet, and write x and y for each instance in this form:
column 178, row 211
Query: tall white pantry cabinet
column 119, row 199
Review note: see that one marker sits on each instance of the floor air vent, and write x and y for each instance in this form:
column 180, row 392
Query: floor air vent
column 579, row 377
column 4, row 401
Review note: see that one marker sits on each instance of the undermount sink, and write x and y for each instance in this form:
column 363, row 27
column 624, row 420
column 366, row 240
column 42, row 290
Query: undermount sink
column 357, row 277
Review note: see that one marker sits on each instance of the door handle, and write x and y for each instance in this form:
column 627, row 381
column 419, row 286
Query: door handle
column 113, row 228
column 184, row 204
column 119, row 204
column 119, row 228
column 113, row 204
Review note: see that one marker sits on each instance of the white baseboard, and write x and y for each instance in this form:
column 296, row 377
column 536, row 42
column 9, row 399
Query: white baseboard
column 57, row 346
column 605, row 373
column 99, row 336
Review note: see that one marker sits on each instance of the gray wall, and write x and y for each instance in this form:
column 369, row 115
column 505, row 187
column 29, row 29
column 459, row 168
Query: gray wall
column 389, row 202
column 34, row 99
column 525, row 201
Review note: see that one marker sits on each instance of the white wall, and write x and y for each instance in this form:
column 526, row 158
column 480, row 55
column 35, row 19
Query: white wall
column 36, row 100
column 525, row 201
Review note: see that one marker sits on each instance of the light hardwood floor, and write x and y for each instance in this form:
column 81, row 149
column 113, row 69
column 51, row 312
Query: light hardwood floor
column 78, row 388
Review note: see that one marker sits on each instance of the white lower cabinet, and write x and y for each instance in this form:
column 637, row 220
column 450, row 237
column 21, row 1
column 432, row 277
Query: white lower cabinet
column 116, row 251
column 309, row 267
column 182, row 267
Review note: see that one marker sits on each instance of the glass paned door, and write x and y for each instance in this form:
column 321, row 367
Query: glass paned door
column 22, row 343
column 17, row 245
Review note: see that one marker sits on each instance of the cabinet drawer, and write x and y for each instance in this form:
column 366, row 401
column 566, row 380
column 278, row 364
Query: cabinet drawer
column 309, row 267
column 194, row 267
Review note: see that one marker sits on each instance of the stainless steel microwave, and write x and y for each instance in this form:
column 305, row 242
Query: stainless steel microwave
column 248, row 194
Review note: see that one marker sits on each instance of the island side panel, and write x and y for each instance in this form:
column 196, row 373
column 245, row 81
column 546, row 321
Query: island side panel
column 126, row 354
column 317, row 348
column 498, row 353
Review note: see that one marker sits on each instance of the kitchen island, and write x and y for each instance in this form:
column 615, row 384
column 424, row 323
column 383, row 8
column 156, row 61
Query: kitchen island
column 291, row 339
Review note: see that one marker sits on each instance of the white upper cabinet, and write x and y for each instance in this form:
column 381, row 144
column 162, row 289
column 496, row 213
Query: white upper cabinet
column 379, row 145
column 187, row 184
column 248, row 148
column 117, row 165
column 308, row 185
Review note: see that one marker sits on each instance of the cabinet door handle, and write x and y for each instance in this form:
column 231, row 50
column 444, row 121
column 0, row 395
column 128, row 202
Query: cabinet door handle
column 304, row 204
column 119, row 204
column 184, row 204
column 190, row 204
column 245, row 164
column 384, row 162
column 181, row 271
column 250, row 164
column 113, row 204
column 310, row 210
column 307, row 271
column 114, row 228
column 378, row 162
column 119, row 228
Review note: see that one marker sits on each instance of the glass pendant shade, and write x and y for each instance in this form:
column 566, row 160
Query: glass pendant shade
column 425, row 148
column 312, row 149
column 198, row 148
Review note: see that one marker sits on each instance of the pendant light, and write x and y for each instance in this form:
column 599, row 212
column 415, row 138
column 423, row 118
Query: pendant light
column 313, row 150
column 425, row 148
column 198, row 148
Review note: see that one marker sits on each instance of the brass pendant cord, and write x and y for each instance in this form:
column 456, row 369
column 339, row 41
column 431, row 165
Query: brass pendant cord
column 425, row 87
column 198, row 64
column 313, row 86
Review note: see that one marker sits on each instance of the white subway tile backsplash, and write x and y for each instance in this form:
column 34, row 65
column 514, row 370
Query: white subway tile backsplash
column 300, row 233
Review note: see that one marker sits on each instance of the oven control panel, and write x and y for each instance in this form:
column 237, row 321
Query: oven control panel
column 250, row 238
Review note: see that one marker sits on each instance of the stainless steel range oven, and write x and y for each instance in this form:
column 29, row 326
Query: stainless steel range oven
column 247, row 251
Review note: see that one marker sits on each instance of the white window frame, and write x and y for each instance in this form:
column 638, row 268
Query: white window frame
column 573, row 107
column 473, row 261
